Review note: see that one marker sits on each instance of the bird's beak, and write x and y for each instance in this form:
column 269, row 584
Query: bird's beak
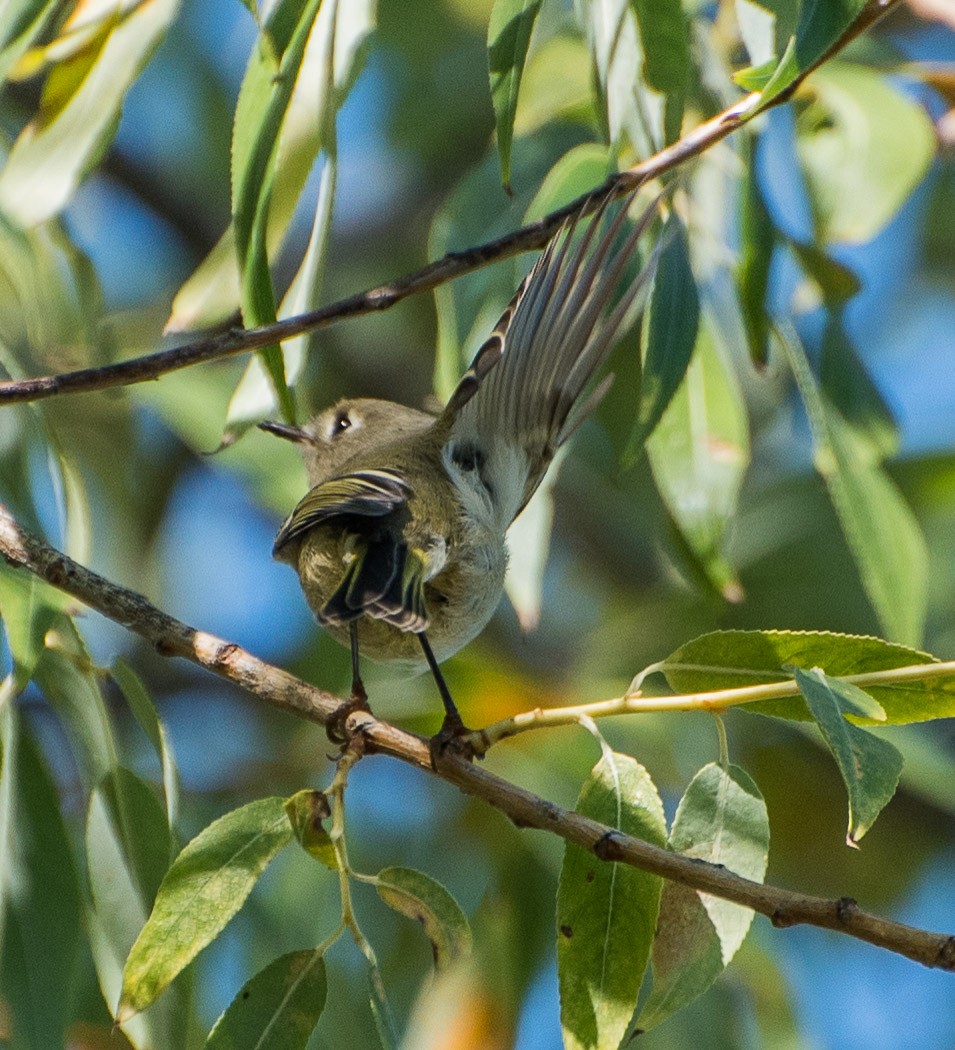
column 287, row 431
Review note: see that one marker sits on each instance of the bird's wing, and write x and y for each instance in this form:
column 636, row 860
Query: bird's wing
column 362, row 494
column 524, row 394
column 383, row 578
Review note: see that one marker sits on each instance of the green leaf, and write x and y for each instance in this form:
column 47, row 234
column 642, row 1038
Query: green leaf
column 869, row 766
column 882, row 533
column 863, row 147
column 612, row 35
column 206, row 885
column 821, row 25
column 277, row 1009
column 28, row 608
column 575, row 173
column 740, row 659
column 148, row 718
column 699, row 453
column 721, row 819
column 38, row 886
column 672, row 325
column 665, row 38
column 837, row 283
column 64, row 141
column 381, row 1011
column 607, row 913
column 848, row 387
column 306, row 811
column 556, row 85
column 128, row 847
column 419, row 897
column 508, row 37
column 72, row 690
column 758, row 239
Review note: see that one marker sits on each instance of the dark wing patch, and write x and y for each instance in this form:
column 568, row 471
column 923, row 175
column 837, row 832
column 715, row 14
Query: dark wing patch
column 363, row 494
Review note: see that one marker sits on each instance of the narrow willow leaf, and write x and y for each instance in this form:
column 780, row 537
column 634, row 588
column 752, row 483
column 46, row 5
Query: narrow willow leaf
column 721, row 819
column 880, row 529
column 264, row 98
column 148, row 718
column 607, row 913
column 577, row 171
column 385, row 1023
column 612, row 35
column 863, row 147
column 508, row 37
column 419, row 897
column 820, row 26
column 57, row 149
column 759, row 238
column 28, row 608
column 128, row 847
column 306, row 811
column 73, row 691
column 848, row 386
column 42, row 901
column 869, row 766
column 672, row 325
column 206, row 885
column 665, row 39
column 738, row 659
column 698, row 454
column 277, row 1009
column 556, row 85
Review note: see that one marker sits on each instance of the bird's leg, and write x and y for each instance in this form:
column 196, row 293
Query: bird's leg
column 357, row 698
column 453, row 729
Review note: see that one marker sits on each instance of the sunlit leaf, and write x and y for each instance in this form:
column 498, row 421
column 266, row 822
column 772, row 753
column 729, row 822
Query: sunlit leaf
column 277, row 1009
column 307, row 810
column 607, row 913
column 206, row 885
column 879, row 526
column 699, row 453
column 419, row 897
column 575, row 173
column 508, row 37
column 55, row 151
column 665, row 39
column 28, row 608
column 869, row 766
column 863, row 147
column 739, row 659
column 721, row 819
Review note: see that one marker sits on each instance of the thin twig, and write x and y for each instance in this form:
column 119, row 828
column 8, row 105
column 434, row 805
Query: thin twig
column 454, row 264
column 525, row 809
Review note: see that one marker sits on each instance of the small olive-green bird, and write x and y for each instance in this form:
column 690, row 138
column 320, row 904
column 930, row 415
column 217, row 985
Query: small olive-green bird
column 399, row 543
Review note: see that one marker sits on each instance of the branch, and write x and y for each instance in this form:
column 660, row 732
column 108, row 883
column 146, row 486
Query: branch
column 287, row 693
column 452, row 265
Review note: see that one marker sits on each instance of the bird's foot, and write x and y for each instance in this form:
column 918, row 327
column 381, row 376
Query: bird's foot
column 357, row 701
column 452, row 738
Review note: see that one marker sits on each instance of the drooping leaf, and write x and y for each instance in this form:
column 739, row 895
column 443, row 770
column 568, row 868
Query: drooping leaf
column 508, row 38
column 607, row 913
column 59, row 147
column 698, row 454
column 307, row 810
column 721, row 819
column 148, row 718
column 869, row 765
column 128, row 847
column 385, row 1023
column 419, row 897
column 672, row 325
column 758, row 237
column 881, row 531
column 665, row 39
column 38, row 887
column 863, row 147
column 740, row 659
column 28, row 608
column 277, row 1009
column 206, row 885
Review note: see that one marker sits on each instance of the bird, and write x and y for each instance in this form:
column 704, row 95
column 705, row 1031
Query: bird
column 399, row 542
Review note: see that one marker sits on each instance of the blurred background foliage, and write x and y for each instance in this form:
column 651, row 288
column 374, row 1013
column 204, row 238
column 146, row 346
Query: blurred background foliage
column 835, row 211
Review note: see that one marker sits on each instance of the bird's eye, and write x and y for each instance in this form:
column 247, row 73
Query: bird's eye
column 340, row 424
